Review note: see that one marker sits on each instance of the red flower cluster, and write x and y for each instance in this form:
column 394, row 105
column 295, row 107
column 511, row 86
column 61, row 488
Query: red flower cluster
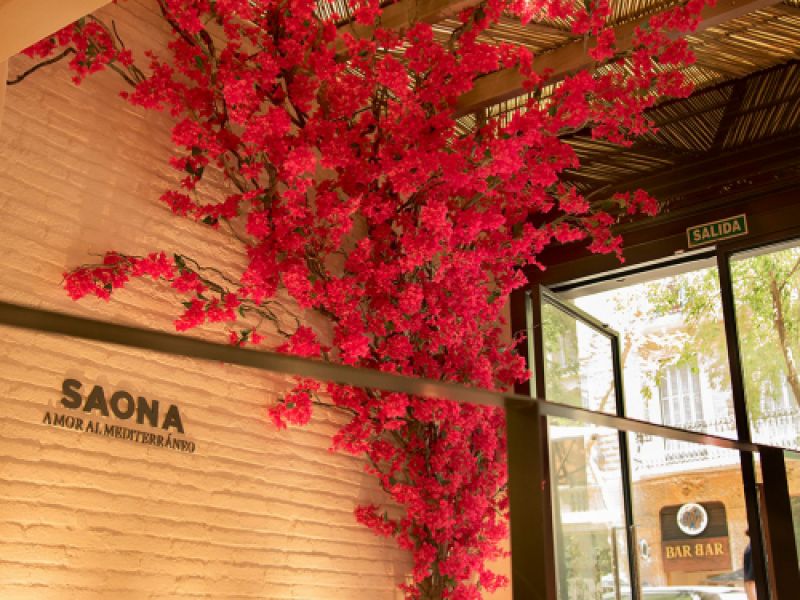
column 363, row 200
column 92, row 45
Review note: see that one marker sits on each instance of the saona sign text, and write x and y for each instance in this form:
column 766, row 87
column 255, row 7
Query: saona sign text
column 85, row 408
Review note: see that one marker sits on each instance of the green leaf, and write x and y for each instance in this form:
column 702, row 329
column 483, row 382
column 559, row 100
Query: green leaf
column 198, row 60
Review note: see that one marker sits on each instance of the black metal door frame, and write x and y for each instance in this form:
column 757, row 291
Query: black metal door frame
column 770, row 525
column 535, row 299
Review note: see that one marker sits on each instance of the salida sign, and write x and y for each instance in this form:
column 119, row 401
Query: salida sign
column 85, row 410
column 708, row 233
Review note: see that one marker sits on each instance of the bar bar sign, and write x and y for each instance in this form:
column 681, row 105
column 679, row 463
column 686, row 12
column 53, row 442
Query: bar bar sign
column 709, row 233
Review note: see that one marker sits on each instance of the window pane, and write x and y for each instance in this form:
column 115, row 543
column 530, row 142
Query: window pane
column 674, row 356
column 690, row 517
column 578, row 362
column 589, row 519
column 766, row 287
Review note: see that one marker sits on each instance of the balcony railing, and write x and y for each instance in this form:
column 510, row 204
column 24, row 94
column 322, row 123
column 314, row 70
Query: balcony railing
column 655, row 455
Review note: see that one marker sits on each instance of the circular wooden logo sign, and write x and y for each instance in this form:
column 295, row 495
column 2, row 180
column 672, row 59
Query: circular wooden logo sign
column 692, row 519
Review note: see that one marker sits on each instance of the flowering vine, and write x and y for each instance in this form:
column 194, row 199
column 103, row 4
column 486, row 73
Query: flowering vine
column 353, row 189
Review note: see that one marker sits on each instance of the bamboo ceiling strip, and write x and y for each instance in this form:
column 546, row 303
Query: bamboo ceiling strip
column 724, row 69
column 755, row 41
column 730, row 117
column 507, row 83
column 770, row 107
column 737, row 38
column 666, row 114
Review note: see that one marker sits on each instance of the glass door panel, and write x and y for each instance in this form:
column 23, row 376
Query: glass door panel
column 587, row 462
column 578, row 360
column 766, row 290
column 673, row 349
column 691, row 518
column 592, row 558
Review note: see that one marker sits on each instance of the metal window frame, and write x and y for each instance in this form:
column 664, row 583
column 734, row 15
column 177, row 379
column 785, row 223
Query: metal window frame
column 547, row 295
column 770, row 525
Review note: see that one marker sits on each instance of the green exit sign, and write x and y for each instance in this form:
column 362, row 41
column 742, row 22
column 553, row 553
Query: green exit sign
column 708, row 233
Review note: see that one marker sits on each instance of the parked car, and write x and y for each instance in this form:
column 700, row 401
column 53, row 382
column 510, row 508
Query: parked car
column 684, row 592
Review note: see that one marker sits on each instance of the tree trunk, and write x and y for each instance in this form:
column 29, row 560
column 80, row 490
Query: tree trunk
column 431, row 588
column 780, row 327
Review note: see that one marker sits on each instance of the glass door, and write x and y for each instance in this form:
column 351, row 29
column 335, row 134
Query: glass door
column 688, row 498
column 675, row 362
column 579, row 365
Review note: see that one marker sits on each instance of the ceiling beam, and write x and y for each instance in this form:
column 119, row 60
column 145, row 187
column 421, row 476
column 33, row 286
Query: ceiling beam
column 401, row 14
column 508, row 83
column 717, row 167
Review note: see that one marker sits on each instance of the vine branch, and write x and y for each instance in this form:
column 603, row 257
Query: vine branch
column 37, row 66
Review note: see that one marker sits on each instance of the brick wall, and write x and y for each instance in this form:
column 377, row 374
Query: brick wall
column 253, row 512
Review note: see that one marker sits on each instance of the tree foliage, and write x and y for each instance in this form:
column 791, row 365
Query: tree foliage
column 766, row 290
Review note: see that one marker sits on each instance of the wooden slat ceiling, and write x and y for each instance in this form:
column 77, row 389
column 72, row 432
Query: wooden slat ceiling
column 747, row 91
column 746, row 78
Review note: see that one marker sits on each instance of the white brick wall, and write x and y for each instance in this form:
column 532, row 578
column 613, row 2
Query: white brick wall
column 253, row 513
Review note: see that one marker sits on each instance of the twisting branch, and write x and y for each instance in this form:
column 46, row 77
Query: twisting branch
column 176, row 27
column 122, row 74
column 37, row 66
column 137, row 75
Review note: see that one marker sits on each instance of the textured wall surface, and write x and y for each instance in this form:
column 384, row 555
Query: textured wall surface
column 253, row 512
